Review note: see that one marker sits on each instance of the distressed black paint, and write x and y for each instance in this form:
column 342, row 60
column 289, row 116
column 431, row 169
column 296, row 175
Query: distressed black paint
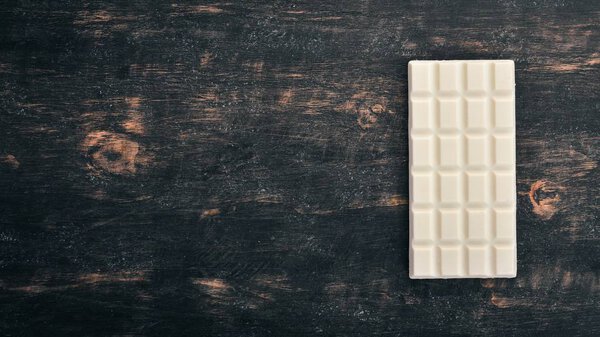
column 241, row 168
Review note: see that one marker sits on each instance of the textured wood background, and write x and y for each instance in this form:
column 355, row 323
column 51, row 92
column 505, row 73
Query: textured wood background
column 241, row 168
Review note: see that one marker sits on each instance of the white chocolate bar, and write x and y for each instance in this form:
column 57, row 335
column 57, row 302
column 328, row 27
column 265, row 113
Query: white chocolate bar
column 462, row 169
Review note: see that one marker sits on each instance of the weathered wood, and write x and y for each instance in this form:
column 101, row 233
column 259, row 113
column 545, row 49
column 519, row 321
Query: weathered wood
column 241, row 168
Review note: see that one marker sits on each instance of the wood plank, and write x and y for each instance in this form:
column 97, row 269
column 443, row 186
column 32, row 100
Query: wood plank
column 241, row 168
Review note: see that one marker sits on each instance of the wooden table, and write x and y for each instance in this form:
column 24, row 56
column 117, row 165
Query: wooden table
column 240, row 169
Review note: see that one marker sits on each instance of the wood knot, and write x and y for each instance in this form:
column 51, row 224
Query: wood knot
column 544, row 198
column 285, row 97
column 111, row 152
column 367, row 107
column 366, row 117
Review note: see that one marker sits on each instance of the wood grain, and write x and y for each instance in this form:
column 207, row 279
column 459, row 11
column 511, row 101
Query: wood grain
column 240, row 168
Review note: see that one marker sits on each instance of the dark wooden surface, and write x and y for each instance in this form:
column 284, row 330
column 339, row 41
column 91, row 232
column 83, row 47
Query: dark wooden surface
column 240, row 169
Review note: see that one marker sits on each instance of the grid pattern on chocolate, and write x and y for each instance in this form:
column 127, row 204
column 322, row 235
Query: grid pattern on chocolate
column 462, row 169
